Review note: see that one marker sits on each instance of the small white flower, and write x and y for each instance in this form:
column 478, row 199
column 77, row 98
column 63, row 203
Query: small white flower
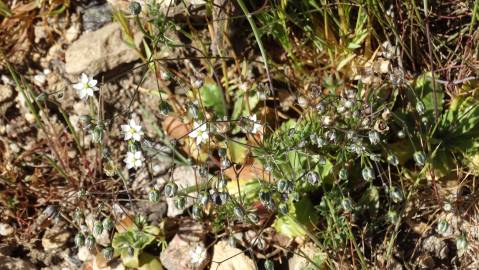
column 199, row 133
column 86, row 86
column 256, row 125
column 134, row 159
column 132, row 131
column 198, row 255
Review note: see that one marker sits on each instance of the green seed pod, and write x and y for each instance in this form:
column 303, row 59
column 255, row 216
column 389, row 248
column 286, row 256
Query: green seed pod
column 461, row 243
column 222, row 152
column 265, row 196
column 135, row 8
column 197, row 211
column 97, row 228
column 393, row 159
column 347, row 205
column 368, row 174
column 79, row 240
column 343, row 174
column 374, row 137
column 239, row 212
column 253, row 217
column 131, row 251
column 97, row 134
column 164, row 108
column 312, row 177
column 42, row 97
column 392, row 216
column 232, row 241
column 224, row 197
column 165, row 75
column 268, row 265
column 221, row 184
column 401, row 134
column 107, row 224
column 442, row 227
column 107, row 253
column 396, row 194
column 283, row 208
column 90, row 242
column 419, row 158
column 282, row 185
column 260, row 243
column 180, row 202
column 154, row 196
column 78, row 215
column 420, row 108
column 170, row 189
column 204, row 198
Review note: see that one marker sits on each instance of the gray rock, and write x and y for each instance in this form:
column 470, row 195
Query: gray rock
column 183, row 176
column 95, row 17
column 101, row 50
column 182, row 254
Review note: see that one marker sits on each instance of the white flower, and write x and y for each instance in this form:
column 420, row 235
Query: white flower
column 198, row 255
column 200, row 133
column 256, row 125
column 86, row 86
column 134, row 159
column 132, row 131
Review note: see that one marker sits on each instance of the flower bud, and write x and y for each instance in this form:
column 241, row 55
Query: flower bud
column 374, row 137
column 107, row 253
column 107, row 224
column 197, row 211
column 204, row 198
column 79, row 240
column 343, row 174
column 442, row 227
column 392, row 159
column 97, row 228
column 283, row 208
column 347, row 205
column 282, row 185
column 97, row 134
column 268, row 265
column 224, row 196
column 420, row 108
column 265, row 196
column 368, row 174
column 396, row 194
column 90, row 242
column 180, row 202
column 461, row 243
column 239, row 212
column 419, row 158
column 135, row 8
column 170, row 189
column 312, row 177
column 254, row 218
column 154, row 196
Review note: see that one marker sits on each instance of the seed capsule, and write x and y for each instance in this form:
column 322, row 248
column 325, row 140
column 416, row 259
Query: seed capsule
column 343, row 174
column 98, row 133
column 442, row 227
column 180, row 202
column 265, row 196
column 420, row 108
column 419, row 158
column 204, row 198
column 268, row 265
column 368, row 174
column 135, row 8
column 107, row 253
column 170, row 189
column 396, row 195
column 90, row 242
column 283, row 208
column 401, row 134
column 107, row 224
column 97, row 228
column 374, row 137
column 222, row 152
column 197, row 211
column 224, row 196
column 392, row 216
column 239, row 212
column 282, row 185
column 260, row 243
column 461, row 243
column 347, row 205
column 312, row 177
column 154, row 195
column 78, row 215
column 253, row 217
column 79, row 240
column 392, row 159
column 131, row 251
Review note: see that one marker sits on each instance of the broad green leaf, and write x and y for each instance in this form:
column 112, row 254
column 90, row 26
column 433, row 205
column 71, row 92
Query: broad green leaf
column 424, row 90
column 300, row 218
column 237, row 151
column 212, row 97
column 149, row 262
